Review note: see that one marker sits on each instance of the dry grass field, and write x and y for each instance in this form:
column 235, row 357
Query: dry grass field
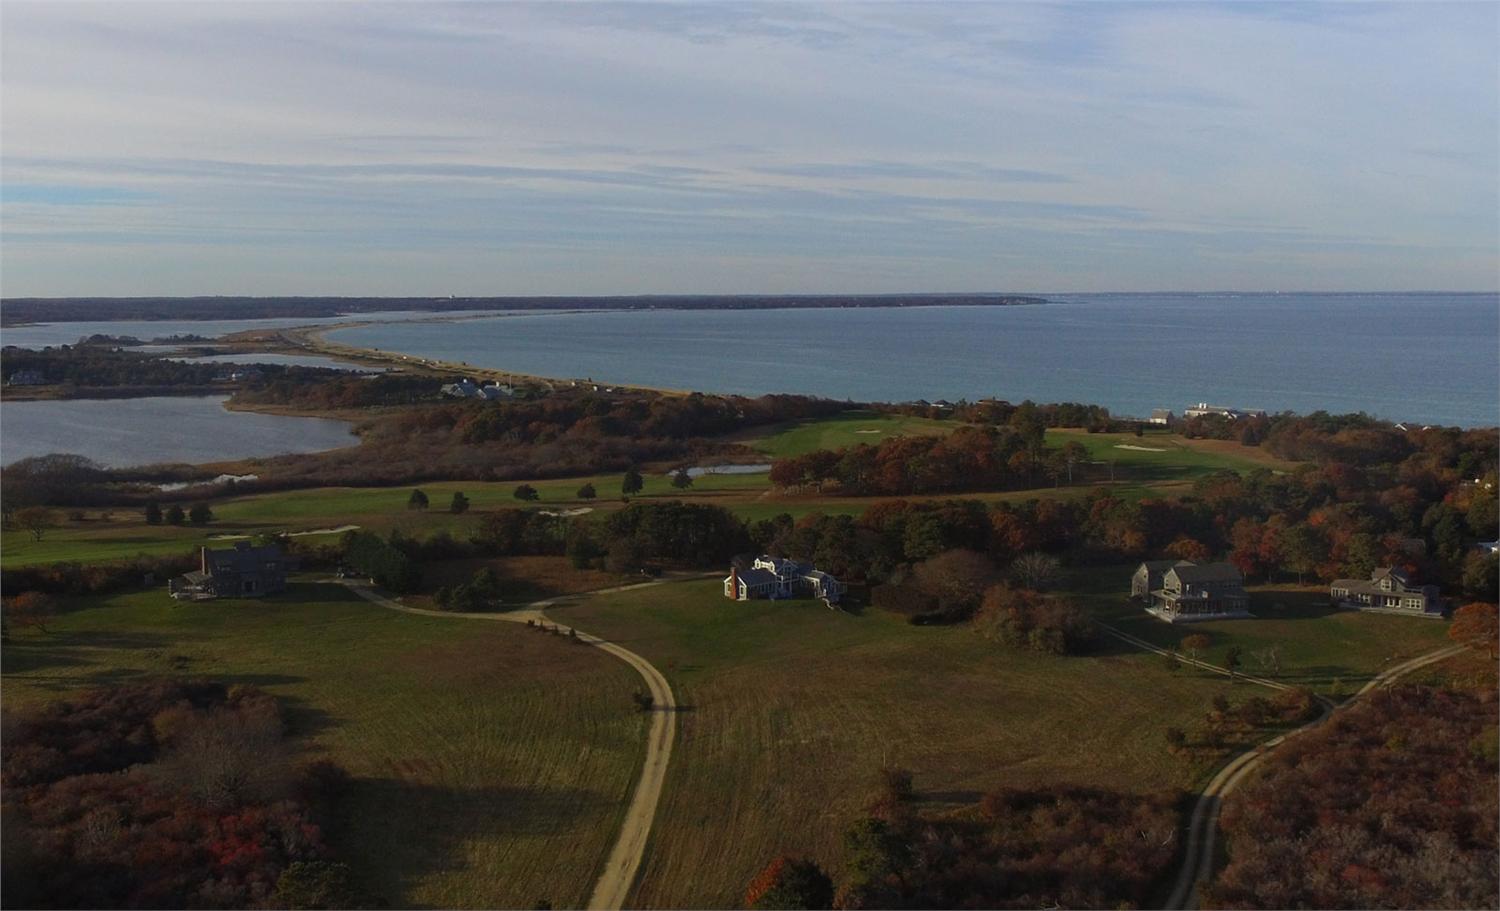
column 790, row 710
column 492, row 763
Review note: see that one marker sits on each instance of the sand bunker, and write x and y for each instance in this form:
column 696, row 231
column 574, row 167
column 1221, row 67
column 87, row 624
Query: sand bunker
column 292, row 534
column 1138, row 448
column 567, row 513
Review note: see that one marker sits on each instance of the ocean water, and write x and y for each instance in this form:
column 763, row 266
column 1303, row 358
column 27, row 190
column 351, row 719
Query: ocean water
column 120, row 433
column 1432, row 358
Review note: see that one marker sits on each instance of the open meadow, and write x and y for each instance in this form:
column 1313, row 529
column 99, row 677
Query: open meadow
column 492, row 763
column 789, row 711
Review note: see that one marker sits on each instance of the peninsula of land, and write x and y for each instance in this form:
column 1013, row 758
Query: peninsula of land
column 21, row 311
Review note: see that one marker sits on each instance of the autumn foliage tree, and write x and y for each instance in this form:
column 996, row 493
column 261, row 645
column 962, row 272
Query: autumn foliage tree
column 788, row 882
column 30, row 610
column 1476, row 626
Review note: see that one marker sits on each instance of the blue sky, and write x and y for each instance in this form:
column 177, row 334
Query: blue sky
column 219, row 148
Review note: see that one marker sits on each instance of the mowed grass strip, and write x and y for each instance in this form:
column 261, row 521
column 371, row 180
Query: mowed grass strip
column 492, row 763
column 790, row 710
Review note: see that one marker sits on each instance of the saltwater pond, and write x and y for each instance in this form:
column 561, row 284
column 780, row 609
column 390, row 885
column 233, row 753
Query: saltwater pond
column 120, row 433
column 1423, row 357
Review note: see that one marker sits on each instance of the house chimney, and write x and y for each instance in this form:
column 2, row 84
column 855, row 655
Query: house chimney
column 203, row 560
column 734, row 583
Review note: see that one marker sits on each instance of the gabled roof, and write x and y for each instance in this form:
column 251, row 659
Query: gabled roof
column 1395, row 573
column 1208, row 572
column 754, row 577
column 243, row 558
column 1161, row 566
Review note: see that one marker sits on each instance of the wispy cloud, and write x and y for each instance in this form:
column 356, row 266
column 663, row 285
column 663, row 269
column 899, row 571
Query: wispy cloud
column 676, row 147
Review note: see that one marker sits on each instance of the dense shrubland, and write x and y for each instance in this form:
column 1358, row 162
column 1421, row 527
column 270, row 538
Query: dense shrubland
column 1391, row 804
column 970, row 458
column 559, row 435
column 1068, row 847
column 169, row 794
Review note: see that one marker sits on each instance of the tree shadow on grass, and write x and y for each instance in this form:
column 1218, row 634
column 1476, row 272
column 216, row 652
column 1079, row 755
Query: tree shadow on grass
column 32, row 652
column 397, row 833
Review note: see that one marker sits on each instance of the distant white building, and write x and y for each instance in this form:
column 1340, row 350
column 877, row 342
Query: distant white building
column 1204, row 409
column 467, row 389
column 1162, row 416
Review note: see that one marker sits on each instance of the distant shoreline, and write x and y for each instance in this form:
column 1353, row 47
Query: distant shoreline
column 18, row 312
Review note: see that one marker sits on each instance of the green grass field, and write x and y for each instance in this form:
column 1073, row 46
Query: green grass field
column 848, row 429
column 791, row 709
column 1159, row 455
column 1321, row 647
column 492, row 763
column 125, row 534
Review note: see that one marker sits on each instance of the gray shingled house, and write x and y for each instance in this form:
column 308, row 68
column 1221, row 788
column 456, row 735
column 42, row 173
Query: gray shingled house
column 1187, row 591
column 242, row 571
column 1388, row 590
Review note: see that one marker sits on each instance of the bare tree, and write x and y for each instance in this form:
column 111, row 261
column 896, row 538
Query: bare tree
column 229, row 758
column 1036, row 570
column 35, row 520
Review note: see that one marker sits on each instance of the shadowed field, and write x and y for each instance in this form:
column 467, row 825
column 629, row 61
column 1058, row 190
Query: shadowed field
column 492, row 763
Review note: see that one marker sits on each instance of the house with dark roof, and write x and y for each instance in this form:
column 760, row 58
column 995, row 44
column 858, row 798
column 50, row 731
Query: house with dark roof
column 1187, row 591
column 1388, row 590
column 27, row 377
column 242, row 571
column 776, row 577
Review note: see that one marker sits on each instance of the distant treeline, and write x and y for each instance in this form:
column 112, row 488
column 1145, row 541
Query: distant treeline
column 23, row 310
column 108, row 371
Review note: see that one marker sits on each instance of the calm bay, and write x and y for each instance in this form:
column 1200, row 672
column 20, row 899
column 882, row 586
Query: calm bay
column 1426, row 357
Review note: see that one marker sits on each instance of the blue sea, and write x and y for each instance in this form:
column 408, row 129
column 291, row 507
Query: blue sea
column 1427, row 357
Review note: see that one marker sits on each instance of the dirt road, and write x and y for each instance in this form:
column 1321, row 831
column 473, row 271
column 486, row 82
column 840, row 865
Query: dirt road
column 624, row 862
column 1203, row 830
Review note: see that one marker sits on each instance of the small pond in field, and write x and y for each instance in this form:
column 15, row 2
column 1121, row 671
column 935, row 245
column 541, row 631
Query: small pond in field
column 120, row 433
column 699, row 471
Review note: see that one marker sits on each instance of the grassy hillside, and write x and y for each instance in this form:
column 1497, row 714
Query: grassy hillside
column 791, row 709
column 493, row 763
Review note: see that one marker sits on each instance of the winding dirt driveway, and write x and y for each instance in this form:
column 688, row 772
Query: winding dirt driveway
column 624, row 861
column 1203, row 829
